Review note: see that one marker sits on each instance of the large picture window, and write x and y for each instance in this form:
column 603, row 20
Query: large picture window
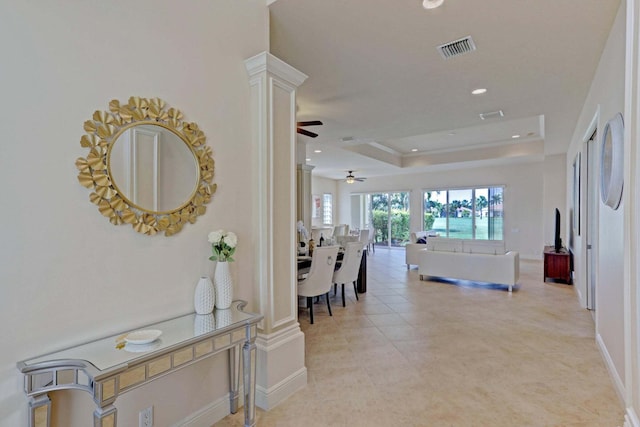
column 466, row 213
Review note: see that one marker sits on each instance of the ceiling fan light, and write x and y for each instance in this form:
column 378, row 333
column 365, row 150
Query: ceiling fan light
column 350, row 180
column 432, row 4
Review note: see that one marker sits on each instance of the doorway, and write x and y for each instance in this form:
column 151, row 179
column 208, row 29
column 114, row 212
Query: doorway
column 591, row 219
column 386, row 213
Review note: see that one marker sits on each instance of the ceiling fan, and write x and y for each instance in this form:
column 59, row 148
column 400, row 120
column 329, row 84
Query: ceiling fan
column 350, row 179
column 305, row 132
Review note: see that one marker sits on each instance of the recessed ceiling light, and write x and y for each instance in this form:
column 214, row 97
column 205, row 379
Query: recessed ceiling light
column 515, row 136
column 479, row 91
column 414, row 149
column 317, row 151
column 432, row 4
column 307, row 160
column 451, row 133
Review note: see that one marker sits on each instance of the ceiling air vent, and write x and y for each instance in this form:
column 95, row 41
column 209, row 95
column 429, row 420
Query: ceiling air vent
column 457, row 47
column 491, row 115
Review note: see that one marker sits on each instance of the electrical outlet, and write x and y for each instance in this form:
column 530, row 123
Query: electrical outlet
column 146, row 417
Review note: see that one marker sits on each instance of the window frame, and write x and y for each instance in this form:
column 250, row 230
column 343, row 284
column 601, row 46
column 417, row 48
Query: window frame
column 473, row 189
column 327, row 205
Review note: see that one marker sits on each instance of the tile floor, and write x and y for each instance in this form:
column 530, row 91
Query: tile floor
column 427, row 353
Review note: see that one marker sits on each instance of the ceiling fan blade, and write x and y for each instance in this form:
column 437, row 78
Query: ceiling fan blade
column 310, row 123
column 360, row 179
column 306, row 132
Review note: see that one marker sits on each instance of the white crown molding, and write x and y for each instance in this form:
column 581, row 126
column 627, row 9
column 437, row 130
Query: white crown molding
column 265, row 61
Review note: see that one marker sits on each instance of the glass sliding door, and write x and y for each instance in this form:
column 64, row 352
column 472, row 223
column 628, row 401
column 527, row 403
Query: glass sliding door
column 386, row 213
column 399, row 218
column 380, row 217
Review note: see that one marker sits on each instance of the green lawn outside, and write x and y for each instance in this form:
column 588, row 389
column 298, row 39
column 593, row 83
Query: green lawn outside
column 461, row 228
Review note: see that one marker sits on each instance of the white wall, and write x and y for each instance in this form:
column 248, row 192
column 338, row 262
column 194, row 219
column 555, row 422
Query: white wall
column 320, row 186
column 554, row 196
column 523, row 198
column 605, row 99
column 66, row 274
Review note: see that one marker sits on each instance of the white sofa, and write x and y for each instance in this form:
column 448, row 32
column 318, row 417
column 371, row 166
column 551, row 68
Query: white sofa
column 475, row 260
column 412, row 249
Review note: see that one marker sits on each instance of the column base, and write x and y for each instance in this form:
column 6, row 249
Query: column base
column 280, row 371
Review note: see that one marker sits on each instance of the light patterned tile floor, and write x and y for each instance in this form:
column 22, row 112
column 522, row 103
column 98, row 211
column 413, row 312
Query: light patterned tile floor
column 436, row 353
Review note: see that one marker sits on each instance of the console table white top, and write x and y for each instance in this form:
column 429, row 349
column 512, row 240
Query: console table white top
column 106, row 369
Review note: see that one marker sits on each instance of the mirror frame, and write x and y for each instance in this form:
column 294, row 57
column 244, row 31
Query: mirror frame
column 103, row 130
column 612, row 162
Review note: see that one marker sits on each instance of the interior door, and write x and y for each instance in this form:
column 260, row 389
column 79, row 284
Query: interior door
column 591, row 220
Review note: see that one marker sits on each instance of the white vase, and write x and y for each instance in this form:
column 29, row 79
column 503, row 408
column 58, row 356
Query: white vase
column 223, row 285
column 204, row 296
column 223, row 317
column 203, row 323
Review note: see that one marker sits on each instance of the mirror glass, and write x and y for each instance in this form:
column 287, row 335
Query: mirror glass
column 146, row 166
column 612, row 162
column 153, row 168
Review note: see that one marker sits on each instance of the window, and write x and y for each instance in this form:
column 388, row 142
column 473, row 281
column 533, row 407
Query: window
column 473, row 213
column 327, row 208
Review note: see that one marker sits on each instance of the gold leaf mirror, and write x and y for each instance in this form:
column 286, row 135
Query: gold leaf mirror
column 146, row 166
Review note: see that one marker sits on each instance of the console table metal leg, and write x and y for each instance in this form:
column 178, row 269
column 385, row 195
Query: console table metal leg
column 234, row 377
column 105, row 417
column 39, row 411
column 249, row 379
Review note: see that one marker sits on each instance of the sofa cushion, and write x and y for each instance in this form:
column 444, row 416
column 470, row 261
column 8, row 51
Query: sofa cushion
column 491, row 247
column 442, row 244
column 417, row 235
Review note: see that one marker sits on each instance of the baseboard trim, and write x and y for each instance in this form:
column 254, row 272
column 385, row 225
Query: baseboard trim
column 617, row 381
column 271, row 397
column 211, row 413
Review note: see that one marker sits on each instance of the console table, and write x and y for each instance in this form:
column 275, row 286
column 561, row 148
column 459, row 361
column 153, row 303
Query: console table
column 107, row 367
column 557, row 265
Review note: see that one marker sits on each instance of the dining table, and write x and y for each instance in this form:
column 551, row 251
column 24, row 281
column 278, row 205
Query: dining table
column 304, row 264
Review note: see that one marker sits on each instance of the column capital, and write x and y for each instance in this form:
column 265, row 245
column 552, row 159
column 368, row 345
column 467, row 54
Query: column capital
column 305, row 167
column 266, row 62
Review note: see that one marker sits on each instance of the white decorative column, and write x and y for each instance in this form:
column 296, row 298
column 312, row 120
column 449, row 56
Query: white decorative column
column 280, row 368
column 304, row 194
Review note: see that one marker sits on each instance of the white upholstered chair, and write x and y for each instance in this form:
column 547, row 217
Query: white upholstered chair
column 364, row 236
column 371, row 246
column 341, row 230
column 348, row 271
column 318, row 281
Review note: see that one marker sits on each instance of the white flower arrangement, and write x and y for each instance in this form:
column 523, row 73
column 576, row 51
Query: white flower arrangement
column 304, row 234
column 223, row 245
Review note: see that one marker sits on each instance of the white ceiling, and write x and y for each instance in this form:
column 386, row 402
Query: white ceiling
column 376, row 78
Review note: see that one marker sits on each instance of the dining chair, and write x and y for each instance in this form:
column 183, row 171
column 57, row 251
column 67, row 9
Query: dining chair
column 371, row 245
column 364, row 236
column 348, row 271
column 318, row 281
